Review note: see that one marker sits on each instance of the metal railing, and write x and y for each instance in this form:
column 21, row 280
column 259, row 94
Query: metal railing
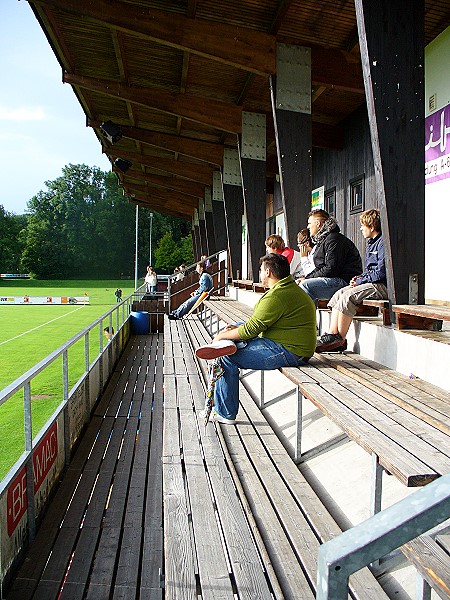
column 381, row 534
column 221, row 256
column 114, row 319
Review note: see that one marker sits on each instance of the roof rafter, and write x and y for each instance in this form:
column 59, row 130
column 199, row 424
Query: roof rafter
column 202, row 173
column 237, row 46
column 164, row 207
column 204, row 151
column 184, row 186
column 161, row 187
column 161, row 193
column 220, row 115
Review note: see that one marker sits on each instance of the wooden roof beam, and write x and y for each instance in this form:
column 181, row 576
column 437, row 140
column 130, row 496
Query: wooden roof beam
column 327, row 136
column 204, row 151
column 189, row 188
column 220, row 115
column 202, row 173
column 237, row 46
column 168, row 209
column 161, row 194
column 336, row 68
column 331, row 67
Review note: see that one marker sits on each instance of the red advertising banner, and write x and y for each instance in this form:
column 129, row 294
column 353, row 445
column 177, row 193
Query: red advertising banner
column 44, row 457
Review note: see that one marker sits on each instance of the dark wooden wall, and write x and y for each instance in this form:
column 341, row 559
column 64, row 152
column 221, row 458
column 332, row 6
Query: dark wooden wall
column 337, row 168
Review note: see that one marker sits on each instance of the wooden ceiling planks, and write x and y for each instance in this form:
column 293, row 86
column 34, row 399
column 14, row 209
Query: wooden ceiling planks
column 210, row 51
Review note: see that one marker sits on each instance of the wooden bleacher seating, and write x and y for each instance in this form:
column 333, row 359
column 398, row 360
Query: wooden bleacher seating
column 369, row 411
column 369, row 308
column 243, row 284
column 403, row 421
column 102, row 534
column 288, row 518
column 431, row 557
column 421, row 316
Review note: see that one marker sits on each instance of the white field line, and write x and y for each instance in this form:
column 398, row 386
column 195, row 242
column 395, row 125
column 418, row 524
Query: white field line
column 42, row 325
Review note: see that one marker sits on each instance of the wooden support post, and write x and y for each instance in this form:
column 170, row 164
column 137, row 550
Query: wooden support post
column 210, row 235
column 198, row 244
column 218, row 211
column 391, row 41
column 234, row 207
column 253, row 168
column 202, row 227
column 291, row 107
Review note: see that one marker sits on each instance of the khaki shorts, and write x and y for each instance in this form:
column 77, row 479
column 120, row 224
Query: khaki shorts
column 348, row 298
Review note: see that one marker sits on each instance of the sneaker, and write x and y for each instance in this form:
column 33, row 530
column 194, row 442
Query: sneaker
column 216, row 417
column 339, row 345
column 172, row 316
column 216, row 349
column 328, row 338
column 219, row 419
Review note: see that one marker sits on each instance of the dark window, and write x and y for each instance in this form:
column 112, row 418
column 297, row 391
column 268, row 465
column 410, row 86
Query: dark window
column 357, row 194
column 330, row 202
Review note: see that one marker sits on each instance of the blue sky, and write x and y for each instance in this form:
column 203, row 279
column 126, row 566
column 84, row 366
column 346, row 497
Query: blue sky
column 42, row 125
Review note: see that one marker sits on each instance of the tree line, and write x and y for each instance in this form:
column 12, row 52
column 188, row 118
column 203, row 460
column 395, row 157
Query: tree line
column 82, row 227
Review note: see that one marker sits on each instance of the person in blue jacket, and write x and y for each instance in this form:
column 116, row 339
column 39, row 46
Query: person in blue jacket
column 369, row 285
column 205, row 285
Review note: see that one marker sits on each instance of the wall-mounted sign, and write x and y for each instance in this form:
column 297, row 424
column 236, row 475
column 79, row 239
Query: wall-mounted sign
column 44, row 299
column 318, row 198
column 437, row 145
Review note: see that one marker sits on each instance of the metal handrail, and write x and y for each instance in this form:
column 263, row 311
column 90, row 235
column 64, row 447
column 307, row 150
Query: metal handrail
column 115, row 317
column 191, row 267
column 381, row 534
column 21, row 381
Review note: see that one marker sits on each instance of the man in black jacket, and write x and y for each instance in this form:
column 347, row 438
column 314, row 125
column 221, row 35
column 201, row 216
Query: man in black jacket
column 336, row 258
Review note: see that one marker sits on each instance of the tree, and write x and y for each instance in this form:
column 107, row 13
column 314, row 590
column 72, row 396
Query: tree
column 167, row 254
column 186, row 250
column 11, row 245
column 82, row 226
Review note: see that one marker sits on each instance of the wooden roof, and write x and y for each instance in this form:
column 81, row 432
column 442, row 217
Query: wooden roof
column 177, row 74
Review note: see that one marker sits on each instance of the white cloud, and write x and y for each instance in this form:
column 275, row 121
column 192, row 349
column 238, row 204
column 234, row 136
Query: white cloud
column 22, row 113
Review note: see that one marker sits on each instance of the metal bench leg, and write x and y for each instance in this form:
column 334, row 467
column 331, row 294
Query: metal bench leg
column 423, row 590
column 261, row 395
column 376, row 487
column 299, row 427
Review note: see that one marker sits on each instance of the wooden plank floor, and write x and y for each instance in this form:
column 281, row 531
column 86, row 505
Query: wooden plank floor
column 210, row 545
column 102, row 535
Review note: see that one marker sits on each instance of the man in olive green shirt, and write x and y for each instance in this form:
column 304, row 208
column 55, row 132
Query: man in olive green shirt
column 280, row 333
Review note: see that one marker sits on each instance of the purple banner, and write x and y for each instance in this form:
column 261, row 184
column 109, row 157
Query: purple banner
column 437, row 145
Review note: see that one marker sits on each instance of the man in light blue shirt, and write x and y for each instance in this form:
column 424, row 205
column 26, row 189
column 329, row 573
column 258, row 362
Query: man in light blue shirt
column 205, row 285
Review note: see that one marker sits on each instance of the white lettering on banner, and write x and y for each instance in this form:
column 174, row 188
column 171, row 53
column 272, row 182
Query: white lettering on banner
column 44, row 457
column 49, row 300
column 442, row 139
column 438, row 166
column 19, row 496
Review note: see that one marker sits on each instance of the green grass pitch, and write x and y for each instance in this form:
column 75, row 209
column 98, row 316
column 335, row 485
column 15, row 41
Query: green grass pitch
column 30, row 333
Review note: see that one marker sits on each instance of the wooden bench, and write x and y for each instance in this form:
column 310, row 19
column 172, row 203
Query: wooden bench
column 243, row 284
column 421, row 316
column 431, row 557
column 369, row 308
column 414, row 445
column 210, row 546
column 259, row 288
column 289, row 519
column 404, row 423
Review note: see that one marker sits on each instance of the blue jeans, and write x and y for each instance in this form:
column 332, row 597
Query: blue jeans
column 185, row 307
column 322, row 287
column 259, row 354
